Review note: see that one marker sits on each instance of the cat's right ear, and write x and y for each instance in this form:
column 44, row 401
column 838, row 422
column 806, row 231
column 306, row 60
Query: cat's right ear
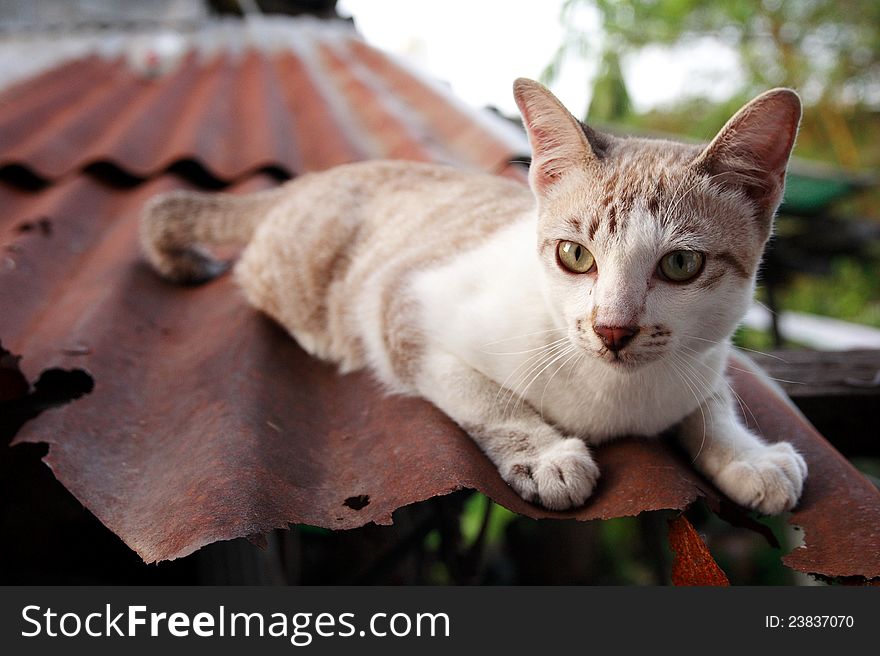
column 559, row 141
column 751, row 152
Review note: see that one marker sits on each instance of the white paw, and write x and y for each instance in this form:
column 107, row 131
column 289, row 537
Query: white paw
column 769, row 479
column 558, row 477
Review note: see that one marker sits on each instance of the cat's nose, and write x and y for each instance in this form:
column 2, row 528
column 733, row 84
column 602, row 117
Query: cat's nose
column 615, row 337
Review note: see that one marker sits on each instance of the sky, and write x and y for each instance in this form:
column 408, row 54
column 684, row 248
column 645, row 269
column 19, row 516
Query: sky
column 480, row 46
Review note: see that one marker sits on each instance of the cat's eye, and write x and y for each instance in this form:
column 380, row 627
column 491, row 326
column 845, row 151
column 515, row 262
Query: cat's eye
column 681, row 266
column 575, row 257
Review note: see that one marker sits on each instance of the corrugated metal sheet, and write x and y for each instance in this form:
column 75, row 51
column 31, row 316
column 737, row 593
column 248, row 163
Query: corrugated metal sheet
column 206, row 421
column 344, row 102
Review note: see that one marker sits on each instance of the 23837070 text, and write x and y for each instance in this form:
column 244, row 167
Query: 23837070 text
column 809, row 622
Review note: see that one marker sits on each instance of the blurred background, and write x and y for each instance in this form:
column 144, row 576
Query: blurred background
column 680, row 69
column 667, row 68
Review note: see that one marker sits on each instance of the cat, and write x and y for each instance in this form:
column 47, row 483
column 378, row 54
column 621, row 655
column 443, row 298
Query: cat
column 599, row 301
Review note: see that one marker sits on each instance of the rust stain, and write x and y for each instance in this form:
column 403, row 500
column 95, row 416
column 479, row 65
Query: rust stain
column 692, row 564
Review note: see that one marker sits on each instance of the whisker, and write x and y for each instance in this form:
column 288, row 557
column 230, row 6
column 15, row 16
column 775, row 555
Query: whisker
column 764, row 374
column 537, row 361
column 560, row 355
column 743, row 406
column 526, row 363
column 769, row 355
column 537, row 332
column 674, row 361
column 550, row 380
column 531, row 350
column 741, row 348
column 574, row 367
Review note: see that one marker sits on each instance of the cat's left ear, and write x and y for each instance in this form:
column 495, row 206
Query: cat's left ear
column 559, row 141
column 751, row 152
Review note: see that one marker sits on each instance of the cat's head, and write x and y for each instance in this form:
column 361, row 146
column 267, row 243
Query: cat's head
column 651, row 247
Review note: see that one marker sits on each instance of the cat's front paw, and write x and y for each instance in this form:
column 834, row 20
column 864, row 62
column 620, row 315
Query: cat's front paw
column 558, row 477
column 769, row 479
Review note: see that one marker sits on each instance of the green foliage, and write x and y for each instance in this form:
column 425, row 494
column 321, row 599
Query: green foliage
column 831, row 55
column 753, row 340
column 472, row 520
column 622, row 541
column 851, row 292
column 813, row 44
column 610, row 100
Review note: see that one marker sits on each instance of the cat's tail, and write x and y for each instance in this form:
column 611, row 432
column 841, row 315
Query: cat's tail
column 176, row 226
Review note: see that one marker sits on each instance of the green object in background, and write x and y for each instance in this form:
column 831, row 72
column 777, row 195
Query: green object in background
column 809, row 194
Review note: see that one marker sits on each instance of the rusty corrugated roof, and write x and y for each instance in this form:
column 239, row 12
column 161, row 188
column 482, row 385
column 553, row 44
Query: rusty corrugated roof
column 206, row 421
column 343, row 102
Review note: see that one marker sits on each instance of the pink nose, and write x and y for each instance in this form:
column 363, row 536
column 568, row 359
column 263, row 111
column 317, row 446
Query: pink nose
column 615, row 337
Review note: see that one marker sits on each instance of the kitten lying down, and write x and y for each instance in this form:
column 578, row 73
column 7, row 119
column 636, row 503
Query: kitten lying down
column 596, row 304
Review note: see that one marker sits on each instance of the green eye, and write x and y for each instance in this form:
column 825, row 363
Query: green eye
column 681, row 266
column 574, row 257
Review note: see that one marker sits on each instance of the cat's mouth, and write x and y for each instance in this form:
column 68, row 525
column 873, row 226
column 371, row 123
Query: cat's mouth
column 627, row 358
column 617, row 358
